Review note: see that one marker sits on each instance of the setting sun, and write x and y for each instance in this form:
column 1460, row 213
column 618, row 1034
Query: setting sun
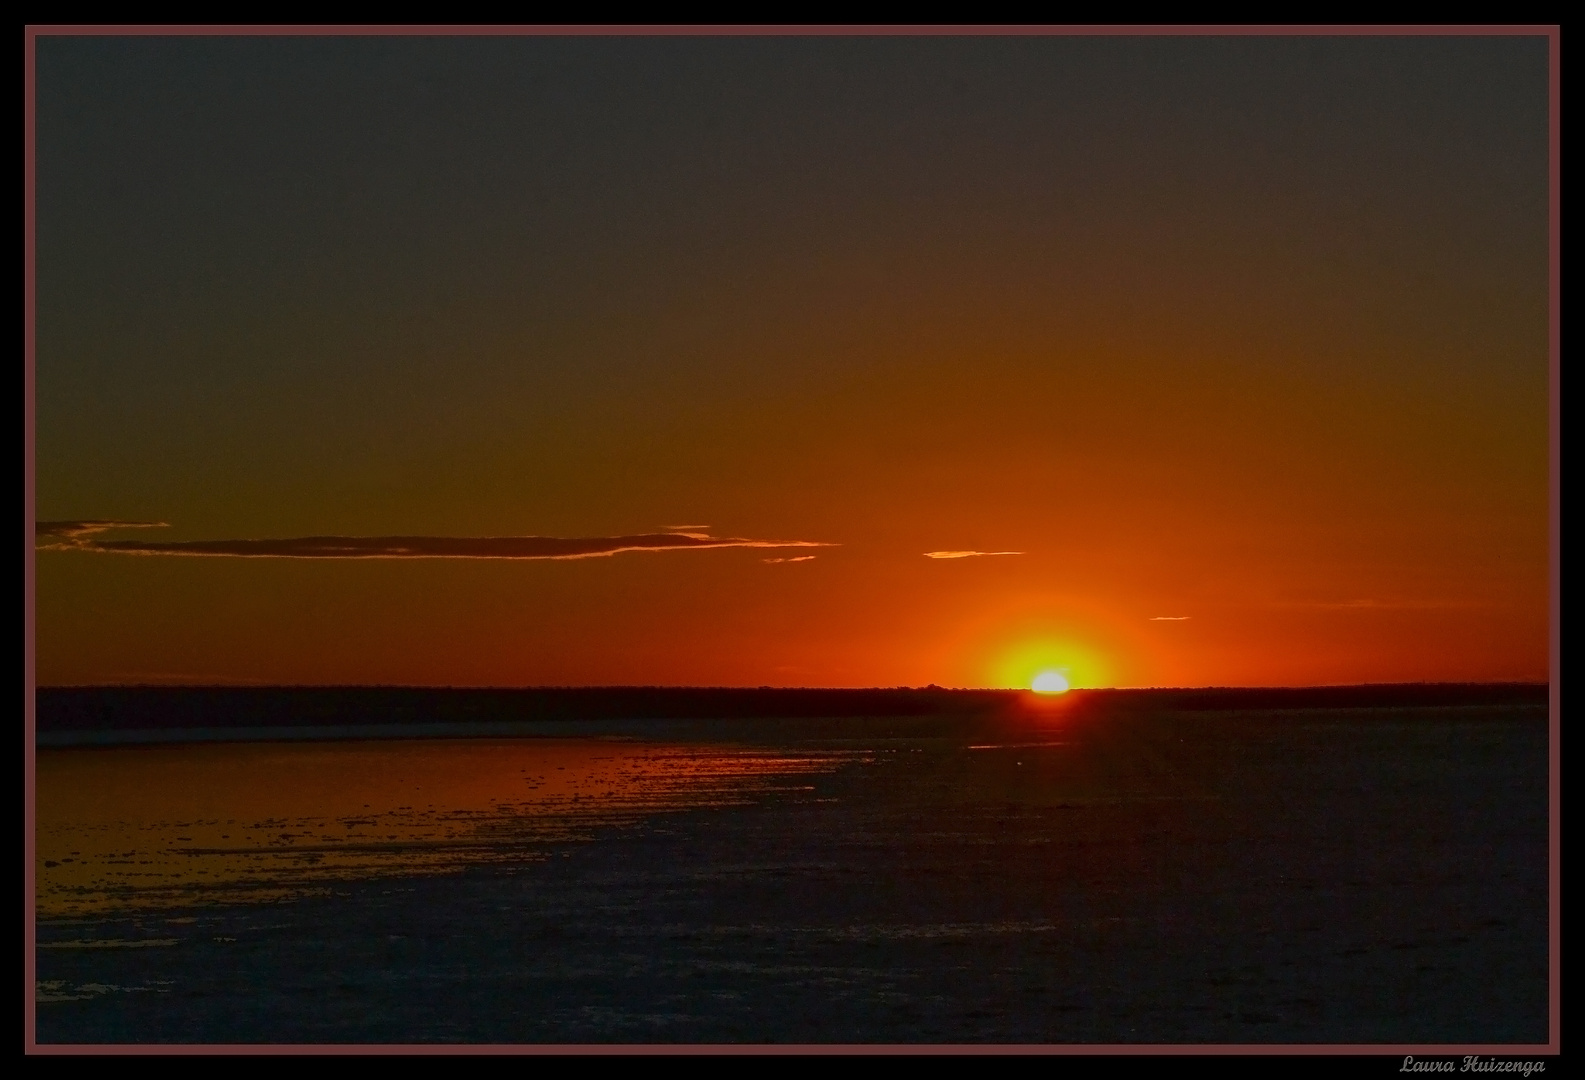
column 1050, row 682
column 1048, row 663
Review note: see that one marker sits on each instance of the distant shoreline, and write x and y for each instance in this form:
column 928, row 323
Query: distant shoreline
column 110, row 715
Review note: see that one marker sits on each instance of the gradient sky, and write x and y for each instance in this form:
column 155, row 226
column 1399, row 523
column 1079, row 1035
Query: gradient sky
column 1239, row 343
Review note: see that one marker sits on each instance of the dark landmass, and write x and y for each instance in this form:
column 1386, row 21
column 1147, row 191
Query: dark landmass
column 132, row 708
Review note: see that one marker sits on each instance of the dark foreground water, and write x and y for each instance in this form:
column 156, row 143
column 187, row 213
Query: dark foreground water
column 1298, row 876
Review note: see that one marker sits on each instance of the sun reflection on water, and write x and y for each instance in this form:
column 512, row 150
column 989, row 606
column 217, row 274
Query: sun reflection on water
column 148, row 827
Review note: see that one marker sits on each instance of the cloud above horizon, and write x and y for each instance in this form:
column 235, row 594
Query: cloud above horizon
column 1388, row 605
column 76, row 530
column 76, row 536
column 966, row 554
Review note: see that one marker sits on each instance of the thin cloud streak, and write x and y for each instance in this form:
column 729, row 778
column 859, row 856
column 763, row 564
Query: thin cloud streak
column 73, row 536
column 1170, row 618
column 792, row 558
column 76, row 530
column 1388, row 605
column 965, row 554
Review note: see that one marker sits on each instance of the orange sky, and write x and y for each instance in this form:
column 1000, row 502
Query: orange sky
column 1240, row 344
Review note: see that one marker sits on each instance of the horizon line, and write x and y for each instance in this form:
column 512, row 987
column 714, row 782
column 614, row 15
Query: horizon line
column 761, row 687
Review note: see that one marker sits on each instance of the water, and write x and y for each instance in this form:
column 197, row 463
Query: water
column 148, row 827
column 1348, row 876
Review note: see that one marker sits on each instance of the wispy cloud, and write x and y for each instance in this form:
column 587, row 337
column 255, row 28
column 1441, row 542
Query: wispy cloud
column 792, row 558
column 1169, row 618
column 965, row 554
column 77, row 536
column 76, row 530
column 1386, row 605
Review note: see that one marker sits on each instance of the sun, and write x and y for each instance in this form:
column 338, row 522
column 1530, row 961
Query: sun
column 1050, row 682
column 1027, row 659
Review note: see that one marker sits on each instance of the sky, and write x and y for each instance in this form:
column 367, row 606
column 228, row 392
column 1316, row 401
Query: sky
column 793, row 361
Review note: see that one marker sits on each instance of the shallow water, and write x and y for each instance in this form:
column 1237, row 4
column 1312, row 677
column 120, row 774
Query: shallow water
column 129, row 828
column 1359, row 877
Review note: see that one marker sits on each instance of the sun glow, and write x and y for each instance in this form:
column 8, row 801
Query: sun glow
column 1048, row 664
column 1050, row 682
